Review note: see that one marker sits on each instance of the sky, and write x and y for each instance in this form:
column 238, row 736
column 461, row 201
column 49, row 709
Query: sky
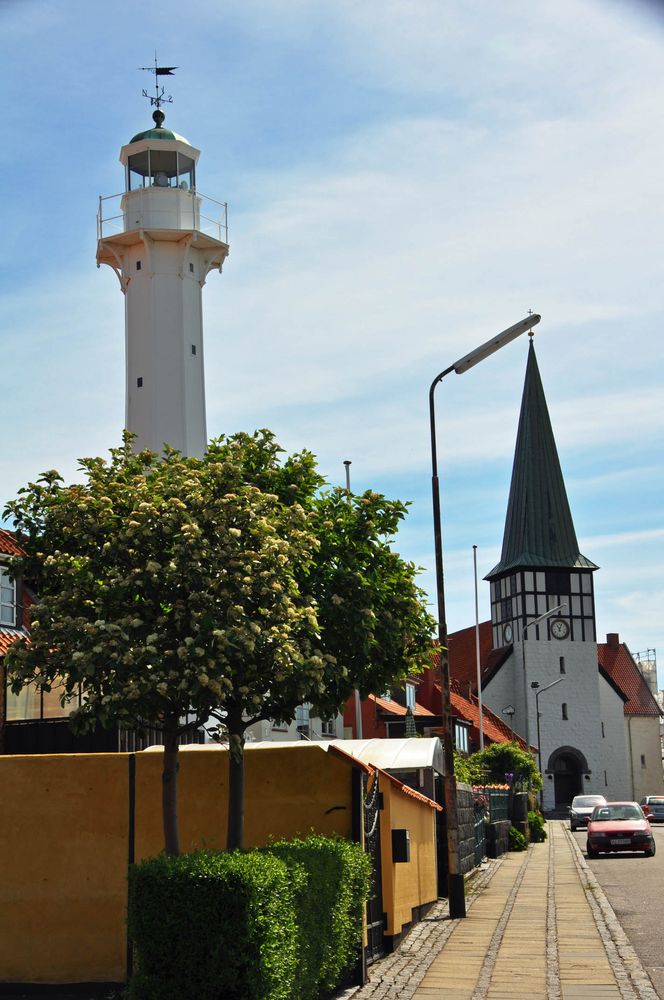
column 404, row 180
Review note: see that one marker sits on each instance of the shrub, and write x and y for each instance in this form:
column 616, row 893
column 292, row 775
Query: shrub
column 517, row 840
column 536, row 824
column 332, row 889
column 211, row 925
column 280, row 923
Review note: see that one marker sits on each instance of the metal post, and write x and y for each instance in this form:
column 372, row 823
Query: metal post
column 457, row 901
column 356, row 693
column 477, row 652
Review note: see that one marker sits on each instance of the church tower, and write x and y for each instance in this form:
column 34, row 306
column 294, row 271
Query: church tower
column 162, row 238
column 543, row 619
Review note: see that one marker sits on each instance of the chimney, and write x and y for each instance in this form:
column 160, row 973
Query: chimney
column 613, row 640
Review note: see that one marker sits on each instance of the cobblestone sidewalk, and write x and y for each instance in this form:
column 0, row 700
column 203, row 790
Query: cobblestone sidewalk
column 538, row 925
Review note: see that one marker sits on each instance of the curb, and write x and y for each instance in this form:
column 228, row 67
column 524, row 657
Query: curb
column 633, row 980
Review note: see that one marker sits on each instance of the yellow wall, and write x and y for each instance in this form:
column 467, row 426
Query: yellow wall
column 406, row 885
column 64, row 842
column 63, row 866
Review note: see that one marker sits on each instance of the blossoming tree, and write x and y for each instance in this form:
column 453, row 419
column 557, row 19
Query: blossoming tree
column 172, row 590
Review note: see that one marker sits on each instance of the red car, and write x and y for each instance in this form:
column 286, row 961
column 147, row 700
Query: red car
column 619, row 826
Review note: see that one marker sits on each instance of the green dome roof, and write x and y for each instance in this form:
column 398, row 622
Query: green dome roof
column 164, row 134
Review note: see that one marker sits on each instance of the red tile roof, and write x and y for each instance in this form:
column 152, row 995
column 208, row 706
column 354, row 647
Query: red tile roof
column 394, row 708
column 8, row 544
column 466, row 706
column 618, row 662
column 407, row 790
column 8, row 637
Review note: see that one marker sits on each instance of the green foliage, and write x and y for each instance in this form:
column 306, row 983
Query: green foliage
column 209, row 925
column 281, row 923
column 463, row 770
column 227, row 586
column 330, row 901
column 498, row 760
column 536, row 825
column 517, row 840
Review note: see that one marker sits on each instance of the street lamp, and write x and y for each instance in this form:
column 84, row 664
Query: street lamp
column 509, row 710
column 538, row 691
column 457, row 902
column 547, row 614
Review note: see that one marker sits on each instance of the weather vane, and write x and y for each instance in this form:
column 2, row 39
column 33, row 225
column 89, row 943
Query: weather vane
column 160, row 97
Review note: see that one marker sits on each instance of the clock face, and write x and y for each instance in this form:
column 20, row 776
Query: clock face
column 559, row 628
column 507, row 633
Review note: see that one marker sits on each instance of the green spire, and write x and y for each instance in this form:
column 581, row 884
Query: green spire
column 538, row 527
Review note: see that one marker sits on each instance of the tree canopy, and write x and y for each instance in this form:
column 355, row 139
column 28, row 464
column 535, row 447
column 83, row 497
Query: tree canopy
column 170, row 589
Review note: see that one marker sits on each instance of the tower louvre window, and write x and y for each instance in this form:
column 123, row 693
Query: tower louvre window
column 557, row 582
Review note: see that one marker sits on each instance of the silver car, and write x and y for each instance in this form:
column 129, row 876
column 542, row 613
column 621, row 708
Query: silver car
column 582, row 809
column 653, row 805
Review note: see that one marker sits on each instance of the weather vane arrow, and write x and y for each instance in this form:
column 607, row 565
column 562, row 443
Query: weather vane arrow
column 159, row 97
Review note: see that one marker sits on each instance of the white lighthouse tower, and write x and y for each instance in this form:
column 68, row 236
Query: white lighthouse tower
column 162, row 238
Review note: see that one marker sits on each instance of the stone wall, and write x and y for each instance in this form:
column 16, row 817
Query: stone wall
column 497, row 838
column 466, row 818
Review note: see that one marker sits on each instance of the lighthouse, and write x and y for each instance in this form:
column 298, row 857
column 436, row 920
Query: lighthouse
column 162, row 238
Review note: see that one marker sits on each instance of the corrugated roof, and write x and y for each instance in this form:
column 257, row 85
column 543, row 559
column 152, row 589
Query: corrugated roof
column 619, row 664
column 539, row 530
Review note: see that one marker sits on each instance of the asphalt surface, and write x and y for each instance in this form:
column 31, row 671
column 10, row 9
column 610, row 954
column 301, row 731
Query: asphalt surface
column 634, row 886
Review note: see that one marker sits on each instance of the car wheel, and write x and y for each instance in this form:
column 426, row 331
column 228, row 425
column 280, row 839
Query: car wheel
column 650, row 853
column 591, row 852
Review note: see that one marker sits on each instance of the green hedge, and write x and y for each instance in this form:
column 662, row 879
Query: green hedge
column 211, row 925
column 281, row 923
column 331, row 893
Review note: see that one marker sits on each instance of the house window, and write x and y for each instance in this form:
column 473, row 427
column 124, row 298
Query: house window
column 7, row 598
column 564, row 707
column 410, row 696
column 302, row 719
column 562, row 664
column 461, row 738
column 327, row 727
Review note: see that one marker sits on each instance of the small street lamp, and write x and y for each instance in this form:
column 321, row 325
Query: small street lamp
column 538, row 691
column 547, row 614
column 509, row 710
column 457, row 902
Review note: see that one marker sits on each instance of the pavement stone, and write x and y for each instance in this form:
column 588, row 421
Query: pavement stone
column 538, row 925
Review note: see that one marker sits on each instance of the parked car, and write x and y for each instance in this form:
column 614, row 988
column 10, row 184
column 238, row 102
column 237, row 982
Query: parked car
column 653, row 804
column 619, row 826
column 582, row 809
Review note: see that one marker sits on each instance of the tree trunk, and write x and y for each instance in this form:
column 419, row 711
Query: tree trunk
column 235, row 837
column 169, row 789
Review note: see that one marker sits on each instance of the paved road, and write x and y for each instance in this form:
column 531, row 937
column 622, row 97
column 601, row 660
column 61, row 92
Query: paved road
column 634, row 886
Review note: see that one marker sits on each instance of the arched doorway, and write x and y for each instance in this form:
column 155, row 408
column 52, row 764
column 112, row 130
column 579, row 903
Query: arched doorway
column 568, row 766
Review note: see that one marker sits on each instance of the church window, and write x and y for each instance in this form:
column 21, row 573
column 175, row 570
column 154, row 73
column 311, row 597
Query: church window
column 643, row 760
column 193, row 349
column 564, row 707
column 562, row 664
column 139, row 382
column 603, row 733
column 7, row 598
column 557, row 582
column 138, row 265
column 605, row 779
column 191, row 268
